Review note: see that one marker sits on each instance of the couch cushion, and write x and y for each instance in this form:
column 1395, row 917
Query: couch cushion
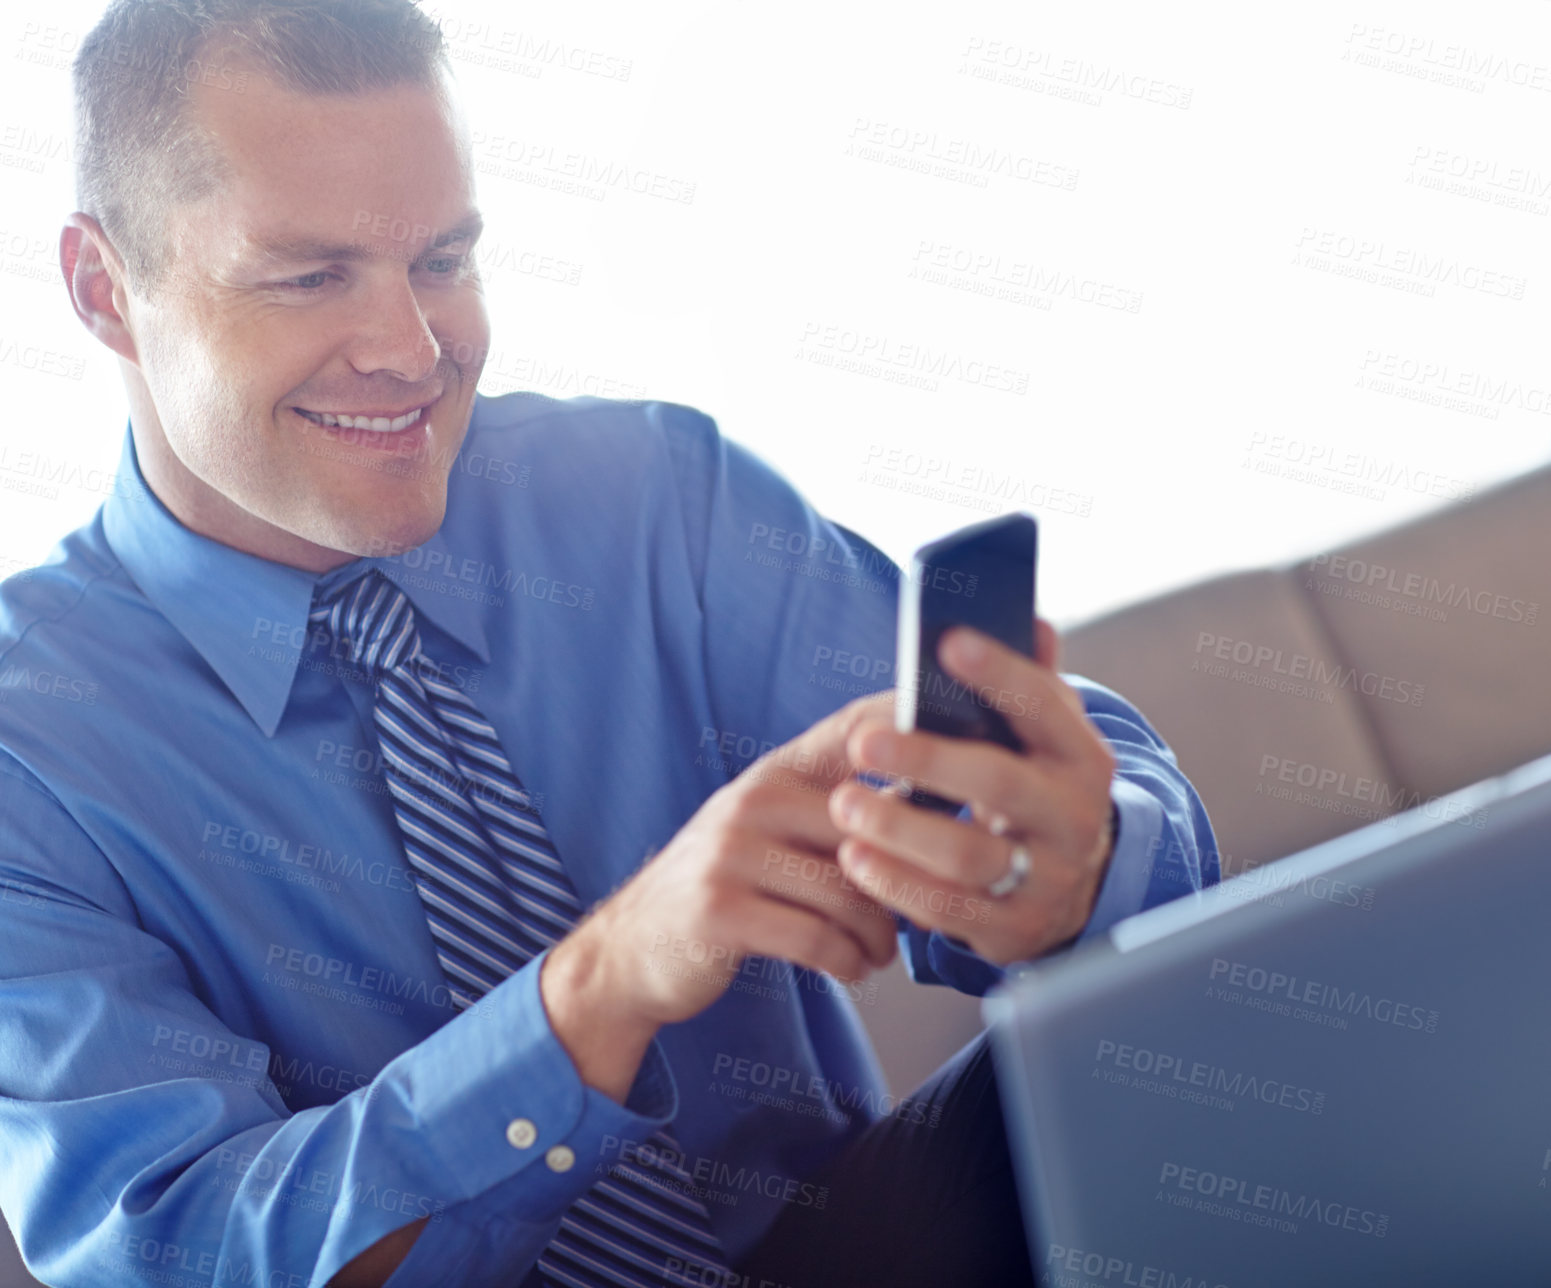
column 1239, row 678
column 1446, row 620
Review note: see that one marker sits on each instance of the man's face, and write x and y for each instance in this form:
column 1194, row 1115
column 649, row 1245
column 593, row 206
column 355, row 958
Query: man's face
column 260, row 329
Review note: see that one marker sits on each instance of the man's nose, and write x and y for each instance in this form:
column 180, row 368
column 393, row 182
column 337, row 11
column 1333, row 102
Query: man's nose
column 395, row 335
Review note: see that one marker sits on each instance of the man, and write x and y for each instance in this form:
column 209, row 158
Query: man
column 390, row 685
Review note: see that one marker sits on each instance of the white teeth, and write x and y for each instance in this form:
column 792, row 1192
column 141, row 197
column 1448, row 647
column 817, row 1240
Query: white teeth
column 376, row 424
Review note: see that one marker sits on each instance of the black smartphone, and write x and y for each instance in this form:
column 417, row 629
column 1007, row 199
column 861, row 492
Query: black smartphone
column 983, row 577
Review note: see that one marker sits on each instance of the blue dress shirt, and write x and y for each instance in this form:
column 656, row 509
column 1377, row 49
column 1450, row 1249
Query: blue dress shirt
column 227, row 1052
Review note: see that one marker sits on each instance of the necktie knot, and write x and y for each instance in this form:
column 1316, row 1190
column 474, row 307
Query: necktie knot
column 372, row 622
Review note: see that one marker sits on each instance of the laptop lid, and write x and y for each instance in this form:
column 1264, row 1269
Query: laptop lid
column 1333, row 1070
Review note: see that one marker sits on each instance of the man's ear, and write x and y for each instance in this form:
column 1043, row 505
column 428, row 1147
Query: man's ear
column 96, row 280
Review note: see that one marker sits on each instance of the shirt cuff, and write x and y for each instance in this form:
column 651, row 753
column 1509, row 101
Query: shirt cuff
column 1138, row 826
column 497, row 1098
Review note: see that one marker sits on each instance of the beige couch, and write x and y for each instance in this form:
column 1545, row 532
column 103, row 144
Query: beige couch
column 1308, row 700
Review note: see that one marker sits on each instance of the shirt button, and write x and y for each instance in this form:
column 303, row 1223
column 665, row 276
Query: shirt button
column 561, row 1158
column 521, row 1133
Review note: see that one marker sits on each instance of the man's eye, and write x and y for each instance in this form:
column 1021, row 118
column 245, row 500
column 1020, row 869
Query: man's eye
column 309, row 282
column 446, row 265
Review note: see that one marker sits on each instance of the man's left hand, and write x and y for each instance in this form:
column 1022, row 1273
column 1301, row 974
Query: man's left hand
column 1052, row 798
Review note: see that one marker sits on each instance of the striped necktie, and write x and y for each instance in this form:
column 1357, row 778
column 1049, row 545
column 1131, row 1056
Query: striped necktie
column 495, row 895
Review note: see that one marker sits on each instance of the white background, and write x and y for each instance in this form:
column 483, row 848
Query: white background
column 1261, row 185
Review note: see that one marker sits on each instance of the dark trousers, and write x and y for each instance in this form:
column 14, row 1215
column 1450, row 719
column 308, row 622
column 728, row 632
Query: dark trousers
column 930, row 1204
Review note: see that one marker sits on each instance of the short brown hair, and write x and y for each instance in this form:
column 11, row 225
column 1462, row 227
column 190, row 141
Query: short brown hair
column 138, row 152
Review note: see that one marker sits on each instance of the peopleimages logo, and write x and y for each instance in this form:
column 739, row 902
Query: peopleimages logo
column 709, row 1179
column 1357, row 794
column 1280, row 987
column 1406, row 262
column 813, row 1093
column 1180, row 1077
column 1336, row 467
column 954, row 157
column 1438, row 378
column 1482, row 64
column 1236, row 1197
column 1032, row 67
column 1383, row 580
column 1064, row 1264
column 1294, row 666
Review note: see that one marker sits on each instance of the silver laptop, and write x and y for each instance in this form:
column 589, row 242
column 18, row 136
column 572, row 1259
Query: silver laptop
column 1334, row 1070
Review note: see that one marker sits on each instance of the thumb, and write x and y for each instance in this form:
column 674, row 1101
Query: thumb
column 819, row 752
column 1047, row 644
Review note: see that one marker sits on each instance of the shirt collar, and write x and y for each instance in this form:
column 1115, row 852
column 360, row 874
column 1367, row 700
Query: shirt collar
column 247, row 616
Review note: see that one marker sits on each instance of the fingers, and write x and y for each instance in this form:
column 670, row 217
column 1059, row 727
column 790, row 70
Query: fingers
column 1050, row 798
column 989, row 777
column 1055, row 787
column 815, row 882
column 772, row 833
column 956, row 908
column 1044, row 711
column 1042, row 913
column 786, row 791
column 939, row 845
column 817, row 756
column 1047, row 645
column 796, row 934
column 790, row 808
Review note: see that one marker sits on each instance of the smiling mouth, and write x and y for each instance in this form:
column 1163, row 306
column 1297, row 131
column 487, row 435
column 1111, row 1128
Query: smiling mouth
column 372, row 424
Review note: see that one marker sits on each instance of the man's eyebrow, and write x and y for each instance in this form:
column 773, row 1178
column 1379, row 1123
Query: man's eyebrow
column 470, row 226
column 305, row 250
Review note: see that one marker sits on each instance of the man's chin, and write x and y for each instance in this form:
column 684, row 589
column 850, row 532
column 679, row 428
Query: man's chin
column 380, row 506
column 392, row 541
column 386, row 527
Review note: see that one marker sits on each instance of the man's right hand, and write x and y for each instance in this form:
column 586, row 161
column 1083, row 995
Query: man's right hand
column 753, row 873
